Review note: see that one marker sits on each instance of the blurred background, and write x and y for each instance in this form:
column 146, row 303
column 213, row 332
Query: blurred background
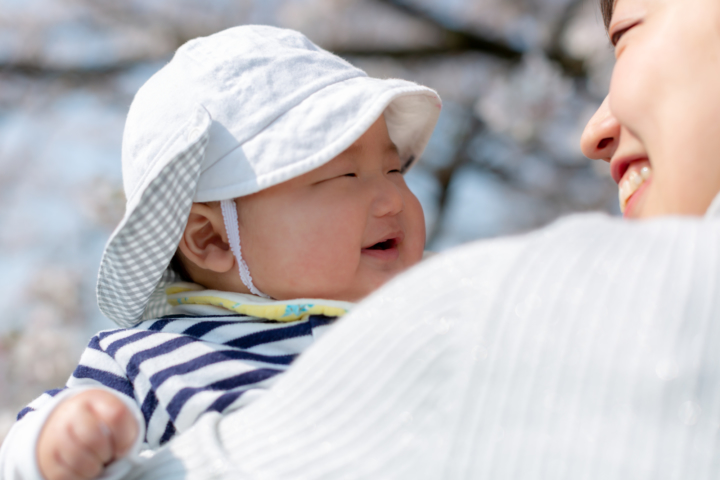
column 519, row 79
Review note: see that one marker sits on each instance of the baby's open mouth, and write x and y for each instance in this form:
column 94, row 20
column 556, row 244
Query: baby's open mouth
column 386, row 250
column 384, row 245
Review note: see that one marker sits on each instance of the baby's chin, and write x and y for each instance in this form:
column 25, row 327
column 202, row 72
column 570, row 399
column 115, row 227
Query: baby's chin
column 371, row 285
column 368, row 279
column 354, row 292
column 407, row 262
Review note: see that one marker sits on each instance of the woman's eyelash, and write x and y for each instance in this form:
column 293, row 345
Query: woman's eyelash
column 615, row 38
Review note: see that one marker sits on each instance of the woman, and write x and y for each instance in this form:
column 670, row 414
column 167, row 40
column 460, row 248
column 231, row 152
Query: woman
column 588, row 349
column 663, row 110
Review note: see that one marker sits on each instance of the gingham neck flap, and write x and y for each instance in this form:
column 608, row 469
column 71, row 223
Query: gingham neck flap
column 136, row 259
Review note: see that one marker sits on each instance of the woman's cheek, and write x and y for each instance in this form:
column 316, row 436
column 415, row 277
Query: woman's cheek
column 630, row 92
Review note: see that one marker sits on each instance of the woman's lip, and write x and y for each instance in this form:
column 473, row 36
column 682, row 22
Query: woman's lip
column 635, row 198
column 618, row 166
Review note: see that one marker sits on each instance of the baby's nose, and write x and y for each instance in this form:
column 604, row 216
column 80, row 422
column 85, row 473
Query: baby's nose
column 389, row 199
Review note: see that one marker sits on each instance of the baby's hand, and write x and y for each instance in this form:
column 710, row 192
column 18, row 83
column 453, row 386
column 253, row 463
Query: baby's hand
column 83, row 434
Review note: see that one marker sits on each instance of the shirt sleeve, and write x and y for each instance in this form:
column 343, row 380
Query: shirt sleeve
column 96, row 370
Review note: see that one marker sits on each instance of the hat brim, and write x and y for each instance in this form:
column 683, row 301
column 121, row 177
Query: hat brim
column 318, row 129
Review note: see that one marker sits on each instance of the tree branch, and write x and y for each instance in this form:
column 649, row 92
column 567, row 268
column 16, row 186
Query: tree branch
column 460, row 40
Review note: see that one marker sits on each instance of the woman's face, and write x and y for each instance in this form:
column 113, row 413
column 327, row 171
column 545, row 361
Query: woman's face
column 659, row 127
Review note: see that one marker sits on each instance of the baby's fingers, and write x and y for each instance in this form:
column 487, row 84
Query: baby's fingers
column 72, row 444
column 61, row 457
column 89, row 433
column 75, row 462
column 118, row 423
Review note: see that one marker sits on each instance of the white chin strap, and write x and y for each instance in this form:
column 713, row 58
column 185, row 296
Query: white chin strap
column 229, row 213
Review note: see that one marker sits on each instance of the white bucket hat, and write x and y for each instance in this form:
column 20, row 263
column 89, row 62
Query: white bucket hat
column 232, row 114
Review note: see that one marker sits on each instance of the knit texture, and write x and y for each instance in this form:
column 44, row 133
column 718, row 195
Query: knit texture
column 588, row 349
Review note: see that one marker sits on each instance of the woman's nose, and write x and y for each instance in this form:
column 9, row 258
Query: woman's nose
column 601, row 135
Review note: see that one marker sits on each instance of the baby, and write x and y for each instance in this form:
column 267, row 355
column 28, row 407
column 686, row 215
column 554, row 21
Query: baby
column 265, row 188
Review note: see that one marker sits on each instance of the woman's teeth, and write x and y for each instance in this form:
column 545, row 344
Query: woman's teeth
column 630, row 185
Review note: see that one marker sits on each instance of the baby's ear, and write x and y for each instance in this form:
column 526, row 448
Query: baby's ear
column 204, row 241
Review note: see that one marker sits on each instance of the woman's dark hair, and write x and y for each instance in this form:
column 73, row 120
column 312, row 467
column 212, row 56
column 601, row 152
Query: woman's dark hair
column 606, row 7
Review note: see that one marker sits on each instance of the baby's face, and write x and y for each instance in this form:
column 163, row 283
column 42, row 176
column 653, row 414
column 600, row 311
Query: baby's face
column 337, row 232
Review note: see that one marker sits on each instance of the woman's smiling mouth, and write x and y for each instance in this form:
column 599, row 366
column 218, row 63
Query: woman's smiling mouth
column 635, row 177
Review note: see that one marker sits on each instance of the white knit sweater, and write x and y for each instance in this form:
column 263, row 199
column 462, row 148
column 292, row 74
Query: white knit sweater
column 586, row 350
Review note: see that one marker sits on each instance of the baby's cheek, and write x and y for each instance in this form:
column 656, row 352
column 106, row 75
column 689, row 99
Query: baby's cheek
column 316, row 265
column 415, row 233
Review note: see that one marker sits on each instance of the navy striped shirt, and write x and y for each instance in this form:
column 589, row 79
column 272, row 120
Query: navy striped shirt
column 176, row 368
